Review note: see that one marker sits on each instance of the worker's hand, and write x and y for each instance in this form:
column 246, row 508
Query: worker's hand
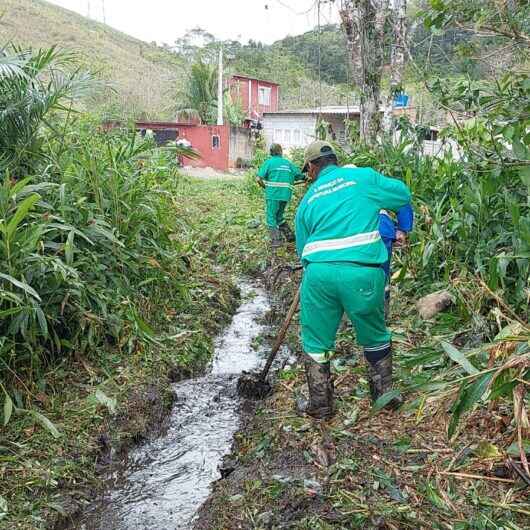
column 401, row 238
column 260, row 182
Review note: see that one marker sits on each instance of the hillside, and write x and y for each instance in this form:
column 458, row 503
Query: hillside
column 143, row 75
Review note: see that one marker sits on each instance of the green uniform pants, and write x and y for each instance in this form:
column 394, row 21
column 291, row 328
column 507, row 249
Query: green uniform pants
column 329, row 290
column 275, row 213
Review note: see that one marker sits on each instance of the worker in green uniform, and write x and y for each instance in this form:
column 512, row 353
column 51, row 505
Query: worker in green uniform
column 277, row 176
column 339, row 244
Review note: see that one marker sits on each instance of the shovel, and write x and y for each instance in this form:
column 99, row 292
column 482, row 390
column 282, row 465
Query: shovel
column 255, row 386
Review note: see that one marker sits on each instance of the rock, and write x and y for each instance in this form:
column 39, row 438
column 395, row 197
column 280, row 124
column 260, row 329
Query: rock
column 313, row 486
column 434, row 303
column 227, row 467
column 266, row 519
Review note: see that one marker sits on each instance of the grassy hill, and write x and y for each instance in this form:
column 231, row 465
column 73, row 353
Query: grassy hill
column 144, row 76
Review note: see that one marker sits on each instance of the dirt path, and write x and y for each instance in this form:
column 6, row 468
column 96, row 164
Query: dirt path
column 208, row 173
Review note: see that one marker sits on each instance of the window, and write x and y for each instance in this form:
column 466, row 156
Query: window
column 297, row 138
column 287, row 137
column 216, row 141
column 431, row 135
column 264, row 95
column 277, row 136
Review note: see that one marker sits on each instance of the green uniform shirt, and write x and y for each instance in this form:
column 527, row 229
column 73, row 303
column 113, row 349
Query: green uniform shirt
column 279, row 175
column 338, row 218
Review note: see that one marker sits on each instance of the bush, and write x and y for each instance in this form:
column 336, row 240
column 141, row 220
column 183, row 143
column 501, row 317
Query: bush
column 90, row 247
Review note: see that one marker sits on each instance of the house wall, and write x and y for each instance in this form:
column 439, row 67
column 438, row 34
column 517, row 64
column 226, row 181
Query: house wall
column 247, row 92
column 337, row 122
column 202, row 140
column 289, row 130
column 240, row 146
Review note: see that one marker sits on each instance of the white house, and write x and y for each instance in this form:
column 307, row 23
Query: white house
column 296, row 128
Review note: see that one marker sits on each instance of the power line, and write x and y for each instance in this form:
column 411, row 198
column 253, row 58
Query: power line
column 302, row 13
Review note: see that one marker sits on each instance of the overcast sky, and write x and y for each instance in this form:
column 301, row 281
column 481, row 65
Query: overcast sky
column 167, row 20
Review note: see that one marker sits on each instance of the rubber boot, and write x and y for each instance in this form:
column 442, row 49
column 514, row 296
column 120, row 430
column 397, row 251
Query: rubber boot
column 287, row 232
column 320, row 402
column 276, row 238
column 380, row 381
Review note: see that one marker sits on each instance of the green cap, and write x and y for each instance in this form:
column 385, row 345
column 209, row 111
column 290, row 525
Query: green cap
column 315, row 151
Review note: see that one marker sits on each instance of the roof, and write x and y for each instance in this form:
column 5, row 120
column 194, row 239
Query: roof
column 334, row 109
column 241, row 76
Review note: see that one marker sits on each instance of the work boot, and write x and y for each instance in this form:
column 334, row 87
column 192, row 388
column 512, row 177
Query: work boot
column 287, row 232
column 320, row 402
column 380, row 381
column 276, row 238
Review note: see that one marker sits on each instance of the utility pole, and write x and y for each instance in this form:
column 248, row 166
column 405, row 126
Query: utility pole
column 220, row 89
column 103, row 10
column 88, row 9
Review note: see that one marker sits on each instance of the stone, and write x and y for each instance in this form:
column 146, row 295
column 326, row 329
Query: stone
column 227, row 467
column 434, row 303
column 266, row 519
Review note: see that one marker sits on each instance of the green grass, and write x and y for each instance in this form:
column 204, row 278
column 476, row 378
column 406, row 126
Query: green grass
column 144, row 76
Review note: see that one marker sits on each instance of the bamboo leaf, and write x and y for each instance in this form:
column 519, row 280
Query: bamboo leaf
column 385, row 399
column 3, row 507
column 10, row 312
column 8, row 409
column 23, row 208
column 69, row 248
column 458, row 357
column 21, row 285
column 467, row 397
column 41, row 318
column 46, row 423
column 514, row 449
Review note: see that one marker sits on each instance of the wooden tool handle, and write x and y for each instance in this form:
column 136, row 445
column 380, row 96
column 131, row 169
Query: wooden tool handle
column 281, row 335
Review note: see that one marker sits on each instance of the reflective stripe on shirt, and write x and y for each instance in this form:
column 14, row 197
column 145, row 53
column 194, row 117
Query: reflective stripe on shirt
column 341, row 243
column 278, row 184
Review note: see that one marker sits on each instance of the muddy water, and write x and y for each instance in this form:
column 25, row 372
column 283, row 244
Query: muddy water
column 165, row 481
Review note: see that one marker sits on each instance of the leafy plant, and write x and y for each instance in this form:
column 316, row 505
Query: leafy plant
column 33, row 84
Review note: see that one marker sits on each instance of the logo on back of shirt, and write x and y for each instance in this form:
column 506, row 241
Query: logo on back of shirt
column 331, row 187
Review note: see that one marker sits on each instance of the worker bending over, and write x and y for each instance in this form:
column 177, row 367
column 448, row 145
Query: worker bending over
column 339, row 244
column 394, row 233
column 278, row 175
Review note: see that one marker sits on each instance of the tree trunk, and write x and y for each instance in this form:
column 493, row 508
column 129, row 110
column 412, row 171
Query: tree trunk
column 397, row 60
column 364, row 24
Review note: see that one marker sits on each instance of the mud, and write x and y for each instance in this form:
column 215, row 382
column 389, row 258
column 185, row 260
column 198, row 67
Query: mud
column 164, row 482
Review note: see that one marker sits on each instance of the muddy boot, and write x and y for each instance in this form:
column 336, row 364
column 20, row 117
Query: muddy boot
column 287, row 232
column 320, row 401
column 276, row 238
column 380, row 381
